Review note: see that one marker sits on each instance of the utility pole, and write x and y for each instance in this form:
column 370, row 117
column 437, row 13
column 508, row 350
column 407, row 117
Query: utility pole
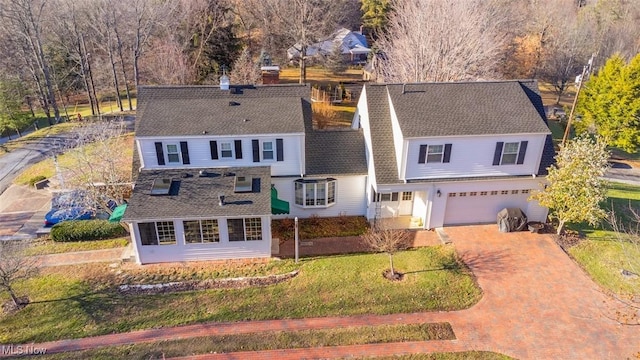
column 585, row 72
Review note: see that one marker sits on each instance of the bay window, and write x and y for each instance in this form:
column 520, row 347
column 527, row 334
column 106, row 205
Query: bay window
column 315, row 193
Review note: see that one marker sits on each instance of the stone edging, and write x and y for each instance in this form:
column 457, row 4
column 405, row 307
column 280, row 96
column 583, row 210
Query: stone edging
column 227, row 283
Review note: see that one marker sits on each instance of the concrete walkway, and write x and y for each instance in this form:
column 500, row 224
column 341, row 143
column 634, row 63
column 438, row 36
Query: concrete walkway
column 537, row 304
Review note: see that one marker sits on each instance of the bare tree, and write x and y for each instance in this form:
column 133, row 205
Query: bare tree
column 245, row 70
column 24, row 19
column 383, row 239
column 15, row 267
column 299, row 22
column 443, row 40
column 99, row 165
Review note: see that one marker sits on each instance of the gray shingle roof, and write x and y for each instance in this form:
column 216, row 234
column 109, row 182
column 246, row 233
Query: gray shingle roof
column 333, row 152
column 190, row 110
column 451, row 109
column 197, row 197
column 465, row 108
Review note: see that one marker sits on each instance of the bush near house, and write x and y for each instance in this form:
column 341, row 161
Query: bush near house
column 317, row 227
column 86, row 230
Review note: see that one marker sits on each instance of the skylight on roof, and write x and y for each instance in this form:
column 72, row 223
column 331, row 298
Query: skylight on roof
column 161, row 186
column 243, row 184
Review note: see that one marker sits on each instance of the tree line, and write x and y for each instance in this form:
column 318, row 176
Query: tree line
column 54, row 53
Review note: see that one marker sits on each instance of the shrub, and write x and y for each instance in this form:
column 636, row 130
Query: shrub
column 86, row 230
column 35, row 179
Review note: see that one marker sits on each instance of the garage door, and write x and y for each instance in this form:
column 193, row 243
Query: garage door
column 482, row 206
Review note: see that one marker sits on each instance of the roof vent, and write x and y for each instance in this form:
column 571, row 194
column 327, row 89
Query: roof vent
column 243, row 184
column 233, row 103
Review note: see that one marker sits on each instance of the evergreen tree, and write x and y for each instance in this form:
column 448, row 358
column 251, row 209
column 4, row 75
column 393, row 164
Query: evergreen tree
column 335, row 60
column 610, row 104
column 374, row 14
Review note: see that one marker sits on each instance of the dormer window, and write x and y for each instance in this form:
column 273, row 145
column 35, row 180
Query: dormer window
column 173, row 155
column 434, row 153
column 226, row 150
column 267, row 150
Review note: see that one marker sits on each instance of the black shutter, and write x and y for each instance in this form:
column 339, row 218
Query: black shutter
column 279, row 150
column 185, row 152
column 159, row 153
column 238, row 145
column 374, row 196
column 394, row 196
column 522, row 152
column 255, row 144
column 213, row 146
column 447, row 153
column 422, row 156
column 498, row 154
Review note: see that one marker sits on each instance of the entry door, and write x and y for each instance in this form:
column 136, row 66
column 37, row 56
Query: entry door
column 406, row 203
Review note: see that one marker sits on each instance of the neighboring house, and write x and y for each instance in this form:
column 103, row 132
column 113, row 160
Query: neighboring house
column 215, row 165
column 453, row 153
column 353, row 46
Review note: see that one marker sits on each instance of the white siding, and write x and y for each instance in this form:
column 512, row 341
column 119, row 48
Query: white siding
column 200, row 153
column 473, row 156
column 224, row 249
column 350, row 198
column 398, row 142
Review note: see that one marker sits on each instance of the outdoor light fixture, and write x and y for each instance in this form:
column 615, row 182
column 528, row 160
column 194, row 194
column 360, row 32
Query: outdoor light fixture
column 221, row 200
column 438, row 193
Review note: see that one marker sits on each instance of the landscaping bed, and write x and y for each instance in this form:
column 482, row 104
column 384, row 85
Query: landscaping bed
column 317, row 227
column 83, row 300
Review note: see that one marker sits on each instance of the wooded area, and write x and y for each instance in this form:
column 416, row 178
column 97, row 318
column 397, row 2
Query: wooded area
column 56, row 53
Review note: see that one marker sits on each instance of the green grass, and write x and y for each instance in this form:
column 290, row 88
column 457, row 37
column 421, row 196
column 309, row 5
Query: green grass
column 268, row 341
column 72, row 302
column 44, row 247
column 602, row 254
column 36, row 136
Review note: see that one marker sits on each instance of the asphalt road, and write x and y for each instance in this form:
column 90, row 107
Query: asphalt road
column 14, row 162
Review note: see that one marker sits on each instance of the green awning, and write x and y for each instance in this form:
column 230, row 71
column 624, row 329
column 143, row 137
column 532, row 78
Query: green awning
column 278, row 207
column 118, row 212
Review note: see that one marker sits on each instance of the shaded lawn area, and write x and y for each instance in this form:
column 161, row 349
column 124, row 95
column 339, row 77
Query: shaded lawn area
column 601, row 254
column 268, row 341
column 48, row 246
column 72, row 302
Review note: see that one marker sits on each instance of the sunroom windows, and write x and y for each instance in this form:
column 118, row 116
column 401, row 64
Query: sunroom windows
column 315, row 193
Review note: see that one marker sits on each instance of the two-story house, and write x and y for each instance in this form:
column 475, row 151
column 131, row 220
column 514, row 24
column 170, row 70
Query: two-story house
column 215, row 164
column 453, row 153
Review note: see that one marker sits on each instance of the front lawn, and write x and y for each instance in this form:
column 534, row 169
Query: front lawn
column 602, row 255
column 268, row 341
column 73, row 302
column 48, row 246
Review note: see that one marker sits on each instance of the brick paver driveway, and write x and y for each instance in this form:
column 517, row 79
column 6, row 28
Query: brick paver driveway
column 537, row 303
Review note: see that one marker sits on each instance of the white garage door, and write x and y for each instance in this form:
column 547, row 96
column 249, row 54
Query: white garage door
column 482, row 206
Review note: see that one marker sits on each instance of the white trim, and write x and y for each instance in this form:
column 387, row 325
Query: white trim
column 471, row 136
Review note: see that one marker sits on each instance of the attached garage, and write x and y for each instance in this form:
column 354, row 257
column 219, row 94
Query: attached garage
column 475, row 207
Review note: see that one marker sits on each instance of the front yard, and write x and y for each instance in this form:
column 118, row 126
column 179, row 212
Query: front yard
column 80, row 301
